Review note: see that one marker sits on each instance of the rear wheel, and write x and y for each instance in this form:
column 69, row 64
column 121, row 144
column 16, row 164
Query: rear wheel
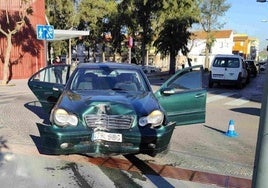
column 248, row 79
column 239, row 82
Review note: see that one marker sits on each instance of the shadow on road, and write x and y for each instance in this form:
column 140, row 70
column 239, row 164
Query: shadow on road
column 37, row 142
column 148, row 171
column 3, row 145
column 36, row 108
column 250, row 111
column 214, row 129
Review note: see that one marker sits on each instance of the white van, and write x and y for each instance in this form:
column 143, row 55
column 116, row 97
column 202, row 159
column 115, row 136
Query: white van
column 228, row 69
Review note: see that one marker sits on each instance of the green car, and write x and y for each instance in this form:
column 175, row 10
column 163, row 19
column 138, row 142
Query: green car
column 104, row 109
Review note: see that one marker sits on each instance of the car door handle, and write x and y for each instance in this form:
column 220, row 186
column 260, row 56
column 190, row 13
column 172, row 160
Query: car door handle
column 38, row 87
column 55, row 89
column 199, row 95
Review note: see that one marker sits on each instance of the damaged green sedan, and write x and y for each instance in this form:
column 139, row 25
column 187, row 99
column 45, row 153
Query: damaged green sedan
column 104, row 109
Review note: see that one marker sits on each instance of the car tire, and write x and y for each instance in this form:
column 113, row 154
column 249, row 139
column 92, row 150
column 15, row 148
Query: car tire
column 240, row 82
column 210, row 84
column 248, row 79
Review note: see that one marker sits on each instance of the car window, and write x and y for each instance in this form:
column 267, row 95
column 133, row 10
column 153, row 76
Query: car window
column 233, row 63
column 219, row 62
column 226, row 62
column 112, row 79
column 52, row 74
column 188, row 80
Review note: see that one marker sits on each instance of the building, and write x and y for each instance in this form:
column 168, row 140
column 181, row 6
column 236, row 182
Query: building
column 223, row 44
column 245, row 46
column 27, row 55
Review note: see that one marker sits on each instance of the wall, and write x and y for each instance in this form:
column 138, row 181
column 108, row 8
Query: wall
column 28, row 54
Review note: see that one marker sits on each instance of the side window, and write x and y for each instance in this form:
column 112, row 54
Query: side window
column 187, row 80
column 53, row 74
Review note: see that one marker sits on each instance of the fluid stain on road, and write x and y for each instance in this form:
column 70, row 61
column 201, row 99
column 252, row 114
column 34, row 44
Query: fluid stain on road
column 118, row 177
column 81, row 181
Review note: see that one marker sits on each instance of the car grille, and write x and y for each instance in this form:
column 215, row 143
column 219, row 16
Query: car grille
column 109, row 121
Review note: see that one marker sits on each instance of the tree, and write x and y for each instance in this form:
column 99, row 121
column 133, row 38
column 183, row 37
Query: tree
column 211, row 10
column 94, row 15
column 174, row 22
column 173, row 37
column 62, row 15
column 144, row 13
column 11, row 24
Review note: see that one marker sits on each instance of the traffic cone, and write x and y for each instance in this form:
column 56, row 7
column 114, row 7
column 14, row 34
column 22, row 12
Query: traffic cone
column 231, row 130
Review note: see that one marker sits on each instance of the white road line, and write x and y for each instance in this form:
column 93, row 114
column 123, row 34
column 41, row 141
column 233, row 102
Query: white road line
column 219, row 96
column 4, row 101
column 237, row 102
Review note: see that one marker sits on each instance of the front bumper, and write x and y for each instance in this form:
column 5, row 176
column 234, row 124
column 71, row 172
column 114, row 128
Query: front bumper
column 144, row 140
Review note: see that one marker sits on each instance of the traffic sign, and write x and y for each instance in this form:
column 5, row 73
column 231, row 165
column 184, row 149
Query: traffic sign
column 45, row 32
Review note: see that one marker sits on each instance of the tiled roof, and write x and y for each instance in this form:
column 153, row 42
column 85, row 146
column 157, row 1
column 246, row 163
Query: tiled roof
column 216, row 34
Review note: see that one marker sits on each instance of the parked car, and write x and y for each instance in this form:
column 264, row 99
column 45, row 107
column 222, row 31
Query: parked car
column 147, row 69
column 251, row 67
column 228, row 69
column 106, row 109
column 261, row 65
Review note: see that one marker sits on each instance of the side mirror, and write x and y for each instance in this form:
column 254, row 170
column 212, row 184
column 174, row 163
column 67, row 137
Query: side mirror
column 167, row 91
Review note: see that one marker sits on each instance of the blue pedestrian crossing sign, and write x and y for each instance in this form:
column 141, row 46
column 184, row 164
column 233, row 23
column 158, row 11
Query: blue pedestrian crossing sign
column 45, row 32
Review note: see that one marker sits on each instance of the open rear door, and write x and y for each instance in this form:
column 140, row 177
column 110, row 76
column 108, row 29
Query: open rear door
column 46, row 87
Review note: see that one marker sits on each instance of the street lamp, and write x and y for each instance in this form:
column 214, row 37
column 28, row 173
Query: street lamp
column 261, row 156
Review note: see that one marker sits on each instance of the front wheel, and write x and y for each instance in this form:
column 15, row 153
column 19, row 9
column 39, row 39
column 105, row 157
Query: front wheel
column 210, row 84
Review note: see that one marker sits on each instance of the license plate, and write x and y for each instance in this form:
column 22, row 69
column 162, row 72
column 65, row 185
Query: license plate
column 217, row 75
column 112, row 137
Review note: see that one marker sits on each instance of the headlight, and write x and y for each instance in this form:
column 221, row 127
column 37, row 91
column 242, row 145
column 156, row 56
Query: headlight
column 155, row 118
column 62, row 118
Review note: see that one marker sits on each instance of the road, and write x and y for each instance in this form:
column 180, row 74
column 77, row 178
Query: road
column 202, row 147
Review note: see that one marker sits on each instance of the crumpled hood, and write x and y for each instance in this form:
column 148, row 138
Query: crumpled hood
column 108, row 102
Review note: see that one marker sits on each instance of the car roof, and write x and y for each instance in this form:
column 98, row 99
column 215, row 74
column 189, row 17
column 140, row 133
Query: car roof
column 108, row 64
column 228, row 55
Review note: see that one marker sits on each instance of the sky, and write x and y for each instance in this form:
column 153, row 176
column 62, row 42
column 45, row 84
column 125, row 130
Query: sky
column 246, row 17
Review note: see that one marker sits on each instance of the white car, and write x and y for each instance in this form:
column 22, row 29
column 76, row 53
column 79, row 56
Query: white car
column 228, row 69
column 261, row 66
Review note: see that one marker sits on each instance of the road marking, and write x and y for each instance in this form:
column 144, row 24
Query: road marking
column 5, row 101
column 219, row 96
column 237, row 102
column 8, row 96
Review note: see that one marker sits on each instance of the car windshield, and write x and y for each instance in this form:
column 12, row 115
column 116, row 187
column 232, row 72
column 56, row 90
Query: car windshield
column 108, row 79
column 250, row 63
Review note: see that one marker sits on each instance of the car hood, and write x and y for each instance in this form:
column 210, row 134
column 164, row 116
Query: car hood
column 108, row 102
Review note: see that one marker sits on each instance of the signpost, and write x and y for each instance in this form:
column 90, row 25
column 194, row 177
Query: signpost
column 45, row 32
column 130, row 45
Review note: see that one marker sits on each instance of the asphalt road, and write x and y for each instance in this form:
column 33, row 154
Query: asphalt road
column 202, row 147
